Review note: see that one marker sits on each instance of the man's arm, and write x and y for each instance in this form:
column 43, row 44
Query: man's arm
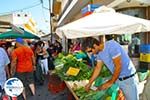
column 33, row 62
column 95, row 74
column 13, row 65
column 115, row 76
column 7, row 61
column 117, row 70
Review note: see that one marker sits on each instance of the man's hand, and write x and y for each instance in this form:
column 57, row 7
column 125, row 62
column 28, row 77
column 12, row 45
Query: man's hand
column 34, row 68
column 104, row 86
column 95, row 74
column 12, row 73
column 8, row 76
column 87, row 87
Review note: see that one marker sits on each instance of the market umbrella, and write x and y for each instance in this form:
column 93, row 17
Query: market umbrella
column 103, row 21
column 13, row 34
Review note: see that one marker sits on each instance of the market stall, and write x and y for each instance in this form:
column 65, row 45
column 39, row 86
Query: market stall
column 76, row 73
column 70, row 88
column 103, row 21
column 14, row 34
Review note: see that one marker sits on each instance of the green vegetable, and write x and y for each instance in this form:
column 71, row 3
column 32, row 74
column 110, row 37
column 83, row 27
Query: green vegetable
column 71, row 61
column 91, row 95
column 105, row 72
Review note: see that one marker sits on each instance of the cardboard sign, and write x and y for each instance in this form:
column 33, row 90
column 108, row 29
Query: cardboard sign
column 73, row 71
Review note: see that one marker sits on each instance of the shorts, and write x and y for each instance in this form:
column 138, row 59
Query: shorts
column 27, row 78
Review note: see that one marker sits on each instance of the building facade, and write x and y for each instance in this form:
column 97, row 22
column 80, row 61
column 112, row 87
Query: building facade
column 20, row 19
column 70, row 10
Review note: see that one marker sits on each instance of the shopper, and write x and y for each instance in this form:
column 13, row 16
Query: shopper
column 4, row 72
column 118, row 62
column 42, row 55
column 23, row 65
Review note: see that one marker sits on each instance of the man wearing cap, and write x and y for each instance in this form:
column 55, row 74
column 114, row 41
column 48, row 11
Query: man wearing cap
column 23, row 65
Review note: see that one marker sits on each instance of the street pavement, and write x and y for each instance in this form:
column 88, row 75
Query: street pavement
column 42, row 93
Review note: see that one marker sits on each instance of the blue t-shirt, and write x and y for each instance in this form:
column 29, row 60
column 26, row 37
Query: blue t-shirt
column 111, row 50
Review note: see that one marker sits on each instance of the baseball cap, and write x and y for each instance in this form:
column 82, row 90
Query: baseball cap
column 19, row 40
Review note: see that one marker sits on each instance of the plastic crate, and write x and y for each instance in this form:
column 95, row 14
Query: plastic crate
column 145, row 48
column 56, row 88
column 70, row 96
column 145, row 57
column 54, row 79
column 143, row 75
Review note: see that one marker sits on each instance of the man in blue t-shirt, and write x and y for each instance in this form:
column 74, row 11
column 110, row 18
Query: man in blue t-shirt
column 118, row 62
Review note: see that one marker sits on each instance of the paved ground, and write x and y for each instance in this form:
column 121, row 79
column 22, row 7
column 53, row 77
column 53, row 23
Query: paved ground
column 42, row 93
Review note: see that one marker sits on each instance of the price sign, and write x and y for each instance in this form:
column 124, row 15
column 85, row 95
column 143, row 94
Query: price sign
column 73, row 71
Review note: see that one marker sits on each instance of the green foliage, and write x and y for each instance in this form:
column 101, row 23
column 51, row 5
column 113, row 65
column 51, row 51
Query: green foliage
column 58, row 60
column 105, row 72
column 71, row 61
column 98, row 95
column 91, row 95
column 60, row 55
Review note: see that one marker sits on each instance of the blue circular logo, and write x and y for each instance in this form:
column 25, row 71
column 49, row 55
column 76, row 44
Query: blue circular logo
column 13, row 87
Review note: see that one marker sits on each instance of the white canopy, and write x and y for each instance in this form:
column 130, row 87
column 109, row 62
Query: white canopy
column 103, row 21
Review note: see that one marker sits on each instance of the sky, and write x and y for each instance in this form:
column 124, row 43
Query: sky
column 38, row 13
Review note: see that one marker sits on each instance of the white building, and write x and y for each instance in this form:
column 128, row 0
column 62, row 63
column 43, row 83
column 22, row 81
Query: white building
column 20, row 19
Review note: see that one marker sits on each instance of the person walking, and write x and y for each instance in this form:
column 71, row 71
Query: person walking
column 43, row 56
column 23, row 65
column 4, row 70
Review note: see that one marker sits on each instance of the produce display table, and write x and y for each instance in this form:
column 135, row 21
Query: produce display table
column 70, row 88
column 76, row 75
column 72, row 85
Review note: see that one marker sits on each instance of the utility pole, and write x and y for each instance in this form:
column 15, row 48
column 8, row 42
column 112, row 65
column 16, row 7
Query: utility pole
column 50, row 15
